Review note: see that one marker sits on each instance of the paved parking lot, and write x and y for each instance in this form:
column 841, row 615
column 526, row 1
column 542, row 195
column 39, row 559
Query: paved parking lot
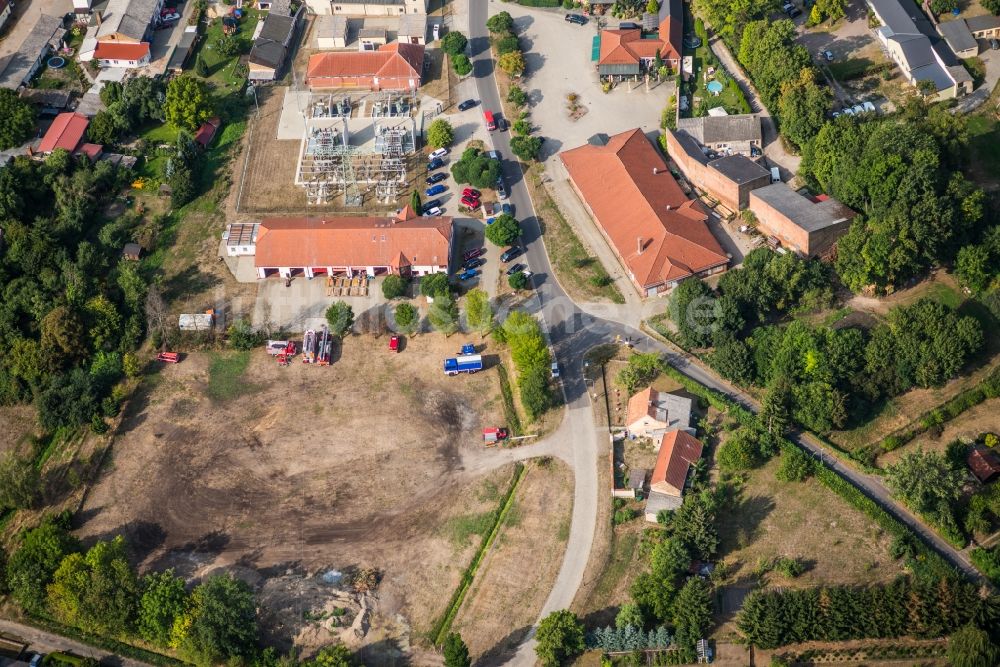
column 557, row 54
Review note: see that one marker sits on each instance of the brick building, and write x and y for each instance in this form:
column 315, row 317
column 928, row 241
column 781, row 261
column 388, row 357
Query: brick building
column 807, row 225
column 728, row 179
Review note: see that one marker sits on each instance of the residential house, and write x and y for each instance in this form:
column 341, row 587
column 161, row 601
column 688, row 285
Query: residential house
column 6, row 9
column 276, row 6
column 658, row 234
column 909, row 38
column 128, row 21
column 962, row 35
column 808, row 225
column 395, row 66
column 412, row 29
column 367, row 7
column 628, row 53
column 66, row 132
column 122, row 54
column 984, row 464
column 678, row 452
column 18, row 68
column 726, row 135
column 271, row 45
column 405, row 244
column 728, row 179
column 330, row 31
column 651, row 413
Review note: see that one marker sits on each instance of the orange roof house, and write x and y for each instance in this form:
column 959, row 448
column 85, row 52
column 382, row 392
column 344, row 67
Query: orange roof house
column 122, row 53
column 659, row 235
column 404, row 244
column 66, row 132
column 394, row 66
column 652, row 413
column 627, row 53
column 678, row 452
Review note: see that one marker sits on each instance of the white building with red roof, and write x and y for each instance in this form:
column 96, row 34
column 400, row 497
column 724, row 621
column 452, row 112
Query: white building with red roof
column 395, row 66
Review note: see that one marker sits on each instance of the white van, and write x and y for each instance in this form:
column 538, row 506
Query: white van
column 775, row 175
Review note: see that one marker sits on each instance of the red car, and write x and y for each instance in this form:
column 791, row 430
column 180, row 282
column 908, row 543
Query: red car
column 470, row 202
column 394, row 344
column 475, row 252
column 470, row 192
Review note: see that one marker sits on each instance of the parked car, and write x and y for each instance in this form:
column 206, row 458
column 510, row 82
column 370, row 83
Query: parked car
column 432, row 212
column 869, row 107
column 515, row 268
column 436, row 178
column 470, row 202
column 828, row 56
column 474, row 262
column 467, row 104
column 506, row 209
column 510, row 253
column 501, row 188
column 475, row 252
column 435, row 190
column 471, row 192
column 794, row 13
column 167, row 25
column 555, row 370
column 858, row 109
column 493, row 155
column 439, row 153
column 468, row 273
column 394, row 344
column 501, row 123
column 432, row 203
column 578, row 19
column 168, row 10
column 436, row 163
column 628, row 25
column 165, row 18
column 691, row 42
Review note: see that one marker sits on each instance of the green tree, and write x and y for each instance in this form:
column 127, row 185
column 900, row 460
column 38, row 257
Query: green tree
column 518, row 97
column 641, row 370
column 220, row 624
column 476, row 169
column 479, row 311
column 107, row 126
column 507, row 44
column 32, row 565
column 337, row 655
column 454, row 43
column 19, row 481
column 504, row 231
column 443, row 313
column 97, row 591
column 440, row 133
column 456, row 653
column 803, row 107
column 393, row 287
column 976, row 267
column 692, row 612
column 522, row 127
column 17, row 119
column 940, row 7
column 559, row 638
column 163, row 601
column 970, row 646
column 340, row 317
column 774, row 409
column 526, row 148
column 415, row 203
column 734, row 361
column 200, row 68
column 924, row 480
column 992, row 6
column 512, row 63
column 654, row 595
column 501, row 22
column 740, row 452
column 795, row 466
column 461, row 64
column 407, row 318
column 630, row 614
column 517, row 281
column 434, row 284
column 536, row 396
column 228, row 46
column 692, row 307
column 188, row 103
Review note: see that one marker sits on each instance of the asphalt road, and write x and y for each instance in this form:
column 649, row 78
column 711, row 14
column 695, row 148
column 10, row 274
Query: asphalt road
column 41, row 641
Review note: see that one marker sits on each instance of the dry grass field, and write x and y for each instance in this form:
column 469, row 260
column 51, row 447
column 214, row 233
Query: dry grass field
column 967, row 426
column 228, row 460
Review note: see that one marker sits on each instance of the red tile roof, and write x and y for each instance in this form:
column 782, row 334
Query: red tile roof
column 121, row 51
column 393, row 60
column 633, row 205
column 66, row 132
column 353, row 241
column 92, row 151
column 678, row 451
column 984, row 464
column 207, row 131
column 626, row 47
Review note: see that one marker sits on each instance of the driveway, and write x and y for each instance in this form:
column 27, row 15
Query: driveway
column 20, row 23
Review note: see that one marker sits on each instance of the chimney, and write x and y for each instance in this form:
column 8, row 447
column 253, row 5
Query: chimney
column 639, row 245
column 656, row 170
column 669, row 207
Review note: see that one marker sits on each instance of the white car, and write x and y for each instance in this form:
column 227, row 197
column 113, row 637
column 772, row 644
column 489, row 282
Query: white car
column 555, row 370
column 858, row 109
column 441, row 152
column 167, row 18
column 869, row 107
column 433, row 212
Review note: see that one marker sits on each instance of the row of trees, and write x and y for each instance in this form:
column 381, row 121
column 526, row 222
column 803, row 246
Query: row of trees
column 924, row 609
column 99, row 592
column 128, row 106
column 72, row 312
column 523, row 335
column 510, row 57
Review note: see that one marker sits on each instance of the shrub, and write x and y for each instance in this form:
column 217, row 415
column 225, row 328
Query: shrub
column 393, row 287
column 454, row 43
column 461, row 64
column 623, row 515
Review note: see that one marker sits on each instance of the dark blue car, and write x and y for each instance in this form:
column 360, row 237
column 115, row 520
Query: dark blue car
column 436, row 190
column 436, row 178
column 436, row 163
column 433, row 203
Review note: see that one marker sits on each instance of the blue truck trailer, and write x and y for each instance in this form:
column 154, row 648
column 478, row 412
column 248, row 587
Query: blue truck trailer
column 465, row 363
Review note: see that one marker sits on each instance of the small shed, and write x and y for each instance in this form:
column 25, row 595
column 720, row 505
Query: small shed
column 412, row 29
column 984, row 464
column 196, row 321
column 132, row 251
column 331, row 31
column 637, row 479
column 203, row 137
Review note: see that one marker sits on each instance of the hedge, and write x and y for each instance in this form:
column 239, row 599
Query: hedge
column 926, row 562
column 988, row 562
column 538, row 3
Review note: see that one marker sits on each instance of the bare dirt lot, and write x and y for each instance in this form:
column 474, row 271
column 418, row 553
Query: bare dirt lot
column 507, row 596
column 227, row 459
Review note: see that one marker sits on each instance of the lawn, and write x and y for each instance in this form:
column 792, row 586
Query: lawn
column 701, row 100
column 984, row 144
column 225, row 376
column 849, row 68
column 221, row 69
